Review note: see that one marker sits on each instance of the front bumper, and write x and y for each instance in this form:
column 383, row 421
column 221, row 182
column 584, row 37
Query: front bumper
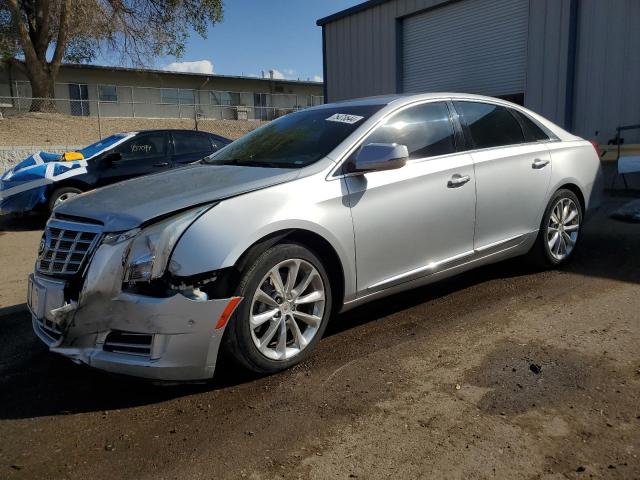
column 176, row 338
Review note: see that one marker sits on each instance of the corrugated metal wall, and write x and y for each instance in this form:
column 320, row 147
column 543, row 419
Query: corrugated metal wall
column 361, row 49
column 362, row 53
column 486, row 55
column 547, row 56
column 607, row 88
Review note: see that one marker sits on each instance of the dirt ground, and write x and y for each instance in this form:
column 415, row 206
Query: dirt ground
column 503, row 372
column 58, row 129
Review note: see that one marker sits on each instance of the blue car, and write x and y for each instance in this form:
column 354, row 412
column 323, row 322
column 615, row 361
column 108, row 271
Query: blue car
column 44, row 180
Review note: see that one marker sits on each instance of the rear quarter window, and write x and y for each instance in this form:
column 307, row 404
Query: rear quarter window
column 532, row 131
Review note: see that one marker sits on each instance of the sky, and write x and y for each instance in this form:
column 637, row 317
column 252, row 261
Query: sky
column 258, row 35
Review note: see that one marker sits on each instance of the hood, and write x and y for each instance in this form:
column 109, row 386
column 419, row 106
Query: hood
column 129, row 204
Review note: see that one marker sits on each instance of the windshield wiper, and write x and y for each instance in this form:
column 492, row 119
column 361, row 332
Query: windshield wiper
column 252, row 163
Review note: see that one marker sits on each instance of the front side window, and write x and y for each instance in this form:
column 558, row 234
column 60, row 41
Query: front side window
column 297, row 139
column 425, row 129
column 107, row 93
column 143, row 145
column 187, row 142
column 489, row 125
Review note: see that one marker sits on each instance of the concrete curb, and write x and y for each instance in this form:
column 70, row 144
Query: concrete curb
column 6, row 311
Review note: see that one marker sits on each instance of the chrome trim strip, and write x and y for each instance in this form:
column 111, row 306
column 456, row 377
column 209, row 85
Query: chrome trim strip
column 489, row 246
column 430, row 268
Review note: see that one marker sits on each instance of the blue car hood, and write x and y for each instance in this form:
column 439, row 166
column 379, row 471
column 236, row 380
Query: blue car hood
column 129, row 204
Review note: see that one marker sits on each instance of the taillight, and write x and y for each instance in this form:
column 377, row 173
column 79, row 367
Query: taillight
column 596, row 145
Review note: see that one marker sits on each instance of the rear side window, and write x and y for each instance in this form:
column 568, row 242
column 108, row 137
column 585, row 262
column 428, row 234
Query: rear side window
column 489, row 125
column 188, row 142
column 532, row 132
column 425, row 129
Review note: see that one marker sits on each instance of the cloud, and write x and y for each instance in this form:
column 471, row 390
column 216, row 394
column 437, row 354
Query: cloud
column 199, row 66
column 317, row 78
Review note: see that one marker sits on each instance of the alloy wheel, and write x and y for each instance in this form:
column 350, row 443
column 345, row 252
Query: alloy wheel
column 563, row 228
column 64, row 197
column 287, row 309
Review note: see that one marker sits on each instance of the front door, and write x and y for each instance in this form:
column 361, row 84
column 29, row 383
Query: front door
column 79, row 99
column 143, row 154
column 419, row 219
column 512, row 174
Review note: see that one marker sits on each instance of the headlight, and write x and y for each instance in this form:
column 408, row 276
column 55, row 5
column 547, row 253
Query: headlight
column 149, row 251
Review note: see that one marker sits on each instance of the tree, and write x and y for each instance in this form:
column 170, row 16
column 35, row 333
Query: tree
column 46, row 32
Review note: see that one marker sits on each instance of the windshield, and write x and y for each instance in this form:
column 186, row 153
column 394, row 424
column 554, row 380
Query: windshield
column 94, row 148
column 295, row 140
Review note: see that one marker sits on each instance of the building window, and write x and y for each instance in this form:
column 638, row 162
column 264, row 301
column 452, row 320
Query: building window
column 224, row 98
column 107, row 93
column 175, row 96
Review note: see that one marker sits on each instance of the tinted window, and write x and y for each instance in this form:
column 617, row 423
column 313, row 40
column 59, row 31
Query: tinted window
column 143, row 145
column 532, row 131
column 187, row 142
column 489, row 125
column 297, row 139
column 425, row 129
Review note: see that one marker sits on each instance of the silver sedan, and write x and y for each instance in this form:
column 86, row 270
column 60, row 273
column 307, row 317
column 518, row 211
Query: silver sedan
column 250, row 252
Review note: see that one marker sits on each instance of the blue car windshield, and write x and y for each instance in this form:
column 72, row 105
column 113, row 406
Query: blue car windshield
column 91, row 150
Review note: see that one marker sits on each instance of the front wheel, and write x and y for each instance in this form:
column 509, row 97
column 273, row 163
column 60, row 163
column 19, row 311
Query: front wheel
column 559, row 230
column 61, row 195
column 286, row 307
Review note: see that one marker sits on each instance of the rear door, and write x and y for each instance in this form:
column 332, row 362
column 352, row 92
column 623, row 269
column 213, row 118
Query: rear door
column 512, row 173
column 143, row 154
column 190, row 146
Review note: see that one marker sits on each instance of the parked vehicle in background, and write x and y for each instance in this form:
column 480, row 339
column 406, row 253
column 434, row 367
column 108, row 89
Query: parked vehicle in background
column 251, row 251
column 48, row 179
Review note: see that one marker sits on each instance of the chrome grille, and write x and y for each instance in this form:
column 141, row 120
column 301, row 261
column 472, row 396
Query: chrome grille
column 66, row 247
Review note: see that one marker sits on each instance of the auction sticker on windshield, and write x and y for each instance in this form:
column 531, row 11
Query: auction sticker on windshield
column 344, row 118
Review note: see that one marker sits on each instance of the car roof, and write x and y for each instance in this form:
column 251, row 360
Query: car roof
column 400, row 98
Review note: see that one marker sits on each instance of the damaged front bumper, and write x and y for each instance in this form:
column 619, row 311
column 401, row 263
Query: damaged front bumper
column 172, row 338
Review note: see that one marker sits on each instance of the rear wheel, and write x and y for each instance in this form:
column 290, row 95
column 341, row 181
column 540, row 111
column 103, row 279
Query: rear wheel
column 286, row 307
column 559, row 230
column 61, row 195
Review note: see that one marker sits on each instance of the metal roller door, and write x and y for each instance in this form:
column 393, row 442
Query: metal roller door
column 471, row 46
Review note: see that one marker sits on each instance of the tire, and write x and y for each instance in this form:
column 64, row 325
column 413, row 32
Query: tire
column 62, row 194
column 253, row 348
column 546, row 253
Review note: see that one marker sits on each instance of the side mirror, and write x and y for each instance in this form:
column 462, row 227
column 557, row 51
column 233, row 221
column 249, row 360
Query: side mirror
column 112, row 157
column 380, row 156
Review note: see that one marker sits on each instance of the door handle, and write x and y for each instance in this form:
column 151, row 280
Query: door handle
column 458, row 180
column 161, row 164
column 538, row 163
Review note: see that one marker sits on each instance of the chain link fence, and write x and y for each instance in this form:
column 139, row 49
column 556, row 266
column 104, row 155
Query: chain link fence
column 63, row 121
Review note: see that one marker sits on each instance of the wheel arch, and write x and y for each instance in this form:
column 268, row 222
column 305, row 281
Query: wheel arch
column 573, row 187
column 69, row 182
column 314, row 242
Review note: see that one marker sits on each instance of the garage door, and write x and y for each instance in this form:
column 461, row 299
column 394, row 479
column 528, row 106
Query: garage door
column 471, row 46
